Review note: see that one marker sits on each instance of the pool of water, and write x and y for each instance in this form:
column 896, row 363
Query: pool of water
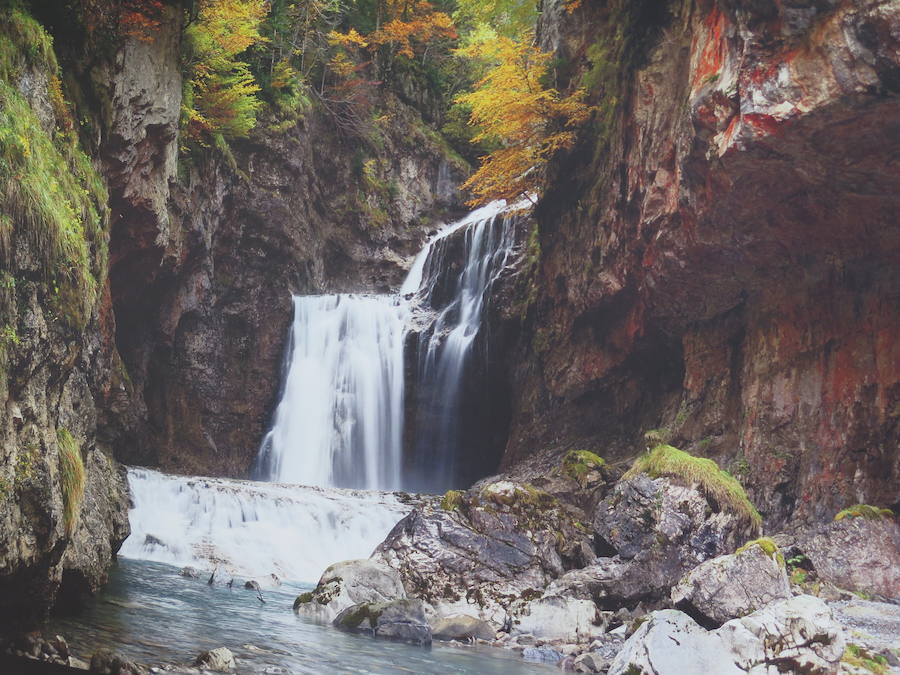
column 150, row 614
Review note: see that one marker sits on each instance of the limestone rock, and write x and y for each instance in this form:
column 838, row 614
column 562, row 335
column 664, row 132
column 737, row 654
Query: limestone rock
column 858, row 554
column 556, row 616
column 504, row 541
column 349, row 583
column 732, row 586
column 462, row 627
column 655, row 530
column 591, row 662
column 220, row 659
column 795, row 635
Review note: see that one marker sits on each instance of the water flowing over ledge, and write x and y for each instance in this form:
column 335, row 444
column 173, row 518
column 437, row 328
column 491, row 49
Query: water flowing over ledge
column 252, row 530
column 344, row 418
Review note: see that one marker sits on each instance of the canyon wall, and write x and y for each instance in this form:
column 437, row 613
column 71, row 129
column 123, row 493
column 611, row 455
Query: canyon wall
column 719, row 254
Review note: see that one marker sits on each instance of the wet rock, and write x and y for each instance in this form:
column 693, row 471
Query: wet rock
column 349, row 583
column 252, row 585
column 462, row 627
column 402, row 620
column 190, row 572
column 220, row 659
column 107, row 662
column 857, row 553
column 795, row 635
column 732, row 586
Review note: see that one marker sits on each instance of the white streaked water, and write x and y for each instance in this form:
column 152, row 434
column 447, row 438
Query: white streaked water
column 248, row 529
column 340, row 421
column 340, row 418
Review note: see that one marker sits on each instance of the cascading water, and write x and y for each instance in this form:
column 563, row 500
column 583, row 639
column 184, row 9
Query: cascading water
column 252, row 530
column 446, row 348
column 340, row 421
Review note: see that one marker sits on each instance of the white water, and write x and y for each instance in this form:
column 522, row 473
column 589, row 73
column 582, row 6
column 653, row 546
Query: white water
column 340, row 420
column 251, row 530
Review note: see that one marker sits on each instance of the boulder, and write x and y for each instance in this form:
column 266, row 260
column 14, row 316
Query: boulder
column 541, row 655
column 252, row 585
column 482, row 548
column 190, row 572
column 220, row 659
column 798, row 635
column 557, row 616
column 402, row 620
column 732, row 586
column 462, row 627
column 857, row 553
column 655, row 530
column 349, row 583
column 106, row 662
column 591, row 662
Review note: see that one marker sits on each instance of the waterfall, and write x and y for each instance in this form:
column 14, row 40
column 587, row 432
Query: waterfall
column 251, row 530
column 340, row 421
column 446, row 348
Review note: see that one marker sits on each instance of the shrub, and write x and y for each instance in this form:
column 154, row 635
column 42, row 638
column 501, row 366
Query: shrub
column 72, row 478
column 664, row 460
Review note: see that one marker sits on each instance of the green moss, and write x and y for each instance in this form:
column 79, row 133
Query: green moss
column 361, row 613
column 452, row 500
column 798, row 576
column 665, row 460
column 578, row 463
column 303, row 599
column 769, row 547
column 25, row 464
column 864, row 511
column 71, row 467
column 52, row 196
column 860, row 657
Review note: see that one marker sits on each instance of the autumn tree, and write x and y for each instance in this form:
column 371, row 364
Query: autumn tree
column 220, row 99
column 527, row 121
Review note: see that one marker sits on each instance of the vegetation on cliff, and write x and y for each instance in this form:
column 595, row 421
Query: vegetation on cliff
column 54, row 198
column 72, row 477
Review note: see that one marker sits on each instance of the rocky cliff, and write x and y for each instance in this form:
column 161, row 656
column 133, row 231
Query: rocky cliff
column 146, row 289
column 719, row 255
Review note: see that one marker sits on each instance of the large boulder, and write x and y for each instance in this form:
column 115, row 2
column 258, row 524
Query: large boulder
column 349, row 583
column 798, row 635
column 402, row 620
column 732, row 586
column 462, row 627
column 858, row 553
column 482, row 550
column 557, row 616
column 655, row 530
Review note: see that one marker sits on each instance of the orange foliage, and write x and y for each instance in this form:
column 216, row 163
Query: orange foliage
column 530, row 122
column 140, row 19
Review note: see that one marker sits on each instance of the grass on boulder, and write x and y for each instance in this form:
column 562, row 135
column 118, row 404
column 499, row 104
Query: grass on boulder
column 665, row 460
column 452, row 500
column 73, row 477
column 578, row 463
column 864, row 511
column 769, row 547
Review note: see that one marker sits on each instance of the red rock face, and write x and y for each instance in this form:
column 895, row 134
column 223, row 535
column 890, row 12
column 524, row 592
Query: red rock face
column 725, row 262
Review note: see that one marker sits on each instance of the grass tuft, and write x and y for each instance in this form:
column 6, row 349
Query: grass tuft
column 864, row 511
column 577, row 464
column 863, row 659
column 73, row 476
column 452, row 500
column 665, row 460
column 769, row 547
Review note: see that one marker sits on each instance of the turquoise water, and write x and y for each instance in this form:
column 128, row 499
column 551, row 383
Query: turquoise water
column 150, row 614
